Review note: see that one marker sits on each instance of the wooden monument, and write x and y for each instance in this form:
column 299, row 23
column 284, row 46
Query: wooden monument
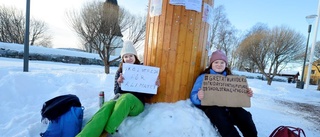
column 176, row 43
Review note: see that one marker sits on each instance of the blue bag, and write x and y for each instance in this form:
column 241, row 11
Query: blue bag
column 67, row 125
column 65, row 115
column 59, row 105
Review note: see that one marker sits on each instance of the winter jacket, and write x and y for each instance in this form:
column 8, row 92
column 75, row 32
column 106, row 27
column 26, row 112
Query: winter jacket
column 224, row 118
column 197, row 85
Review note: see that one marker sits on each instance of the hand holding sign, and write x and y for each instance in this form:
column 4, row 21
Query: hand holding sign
column 231, row 91
column 139, row 78
column 120, row 79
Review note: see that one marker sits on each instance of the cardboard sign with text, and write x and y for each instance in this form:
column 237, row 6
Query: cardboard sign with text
column 140, row 78
column 230, row 91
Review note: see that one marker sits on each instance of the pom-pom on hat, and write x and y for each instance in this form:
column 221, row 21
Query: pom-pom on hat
column 128, row 48
column 218, row 55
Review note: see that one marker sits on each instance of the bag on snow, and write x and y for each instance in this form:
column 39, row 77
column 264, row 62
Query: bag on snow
column 287, row 131
column 67, row 125
column 59, row 105
column 65, row 116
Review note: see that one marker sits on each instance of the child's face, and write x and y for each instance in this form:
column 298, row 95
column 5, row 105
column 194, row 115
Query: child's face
column 218, row 65
column 129, row 58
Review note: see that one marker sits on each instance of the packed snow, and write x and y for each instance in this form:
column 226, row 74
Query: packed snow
column 22, row 95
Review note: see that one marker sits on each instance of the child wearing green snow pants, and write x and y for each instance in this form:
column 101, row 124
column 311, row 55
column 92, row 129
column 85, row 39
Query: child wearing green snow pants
column 111, row 114
column 130, row 103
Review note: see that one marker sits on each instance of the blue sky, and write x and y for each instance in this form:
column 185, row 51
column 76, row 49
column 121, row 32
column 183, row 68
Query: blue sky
column 243, row 14
column 135, row 6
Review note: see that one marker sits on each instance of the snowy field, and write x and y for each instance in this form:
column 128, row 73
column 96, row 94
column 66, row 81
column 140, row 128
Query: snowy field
column 23, row 93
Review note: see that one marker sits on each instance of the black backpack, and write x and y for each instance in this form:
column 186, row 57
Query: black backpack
column 59, row 105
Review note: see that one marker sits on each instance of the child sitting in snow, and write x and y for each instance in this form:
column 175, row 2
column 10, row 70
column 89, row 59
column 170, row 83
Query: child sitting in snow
column 125, row 103
column 224, row 118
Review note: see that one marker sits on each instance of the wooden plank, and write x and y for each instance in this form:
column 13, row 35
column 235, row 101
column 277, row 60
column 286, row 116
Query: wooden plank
column 161, row 49
column 180, row 52
column 154, row 41
column 167, row 19
column 172, row 53
column 201, row 48
column 195, row 71
column 197, row 38
column 148, row 46
column 205, row 50
column 161, row 33
column 188, row 49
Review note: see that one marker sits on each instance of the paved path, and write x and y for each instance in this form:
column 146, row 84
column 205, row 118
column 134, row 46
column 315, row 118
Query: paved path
column 309, row 112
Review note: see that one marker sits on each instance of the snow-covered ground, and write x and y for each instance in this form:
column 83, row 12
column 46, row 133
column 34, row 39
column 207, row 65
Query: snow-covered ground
column 22, row 95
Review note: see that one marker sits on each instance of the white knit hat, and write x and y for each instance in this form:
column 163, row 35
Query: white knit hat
column 128, row 48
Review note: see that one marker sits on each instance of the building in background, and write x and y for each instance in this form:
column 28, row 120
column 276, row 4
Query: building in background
column 315, row 73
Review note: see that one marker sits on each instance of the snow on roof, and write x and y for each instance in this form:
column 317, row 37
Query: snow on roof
column 289, row 72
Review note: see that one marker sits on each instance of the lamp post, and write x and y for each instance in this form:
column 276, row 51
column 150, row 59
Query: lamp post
column 313, row 46
column 310, row 20
column 26, row 40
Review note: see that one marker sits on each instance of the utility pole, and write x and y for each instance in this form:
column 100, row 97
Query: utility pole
column 26, row 40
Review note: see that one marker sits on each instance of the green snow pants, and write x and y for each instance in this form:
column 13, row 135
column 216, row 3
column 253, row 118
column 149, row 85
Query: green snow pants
column 111, row 114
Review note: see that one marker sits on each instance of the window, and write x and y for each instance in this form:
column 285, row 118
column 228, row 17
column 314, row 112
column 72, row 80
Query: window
column 313, row 71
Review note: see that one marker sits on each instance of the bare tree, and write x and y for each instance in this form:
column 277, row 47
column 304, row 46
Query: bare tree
column 99, row 25
column 12, row 28
column 223, row 34
column 38, row 34
column 11, row 25
column 254, row 49
column 219, row 22
column 286, row 45
column 272, row 49
column 137, row 31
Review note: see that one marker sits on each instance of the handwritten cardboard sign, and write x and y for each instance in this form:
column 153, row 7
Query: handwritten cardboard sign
column 230, row 91
column 140, row 78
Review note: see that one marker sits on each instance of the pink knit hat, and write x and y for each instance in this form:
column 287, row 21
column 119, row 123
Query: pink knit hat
column 218, row 55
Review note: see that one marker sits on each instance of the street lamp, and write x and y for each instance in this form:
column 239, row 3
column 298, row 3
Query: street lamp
column 310, row 20
column 26, row 40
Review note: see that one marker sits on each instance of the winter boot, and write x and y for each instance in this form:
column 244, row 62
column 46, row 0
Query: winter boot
column 104, row 134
